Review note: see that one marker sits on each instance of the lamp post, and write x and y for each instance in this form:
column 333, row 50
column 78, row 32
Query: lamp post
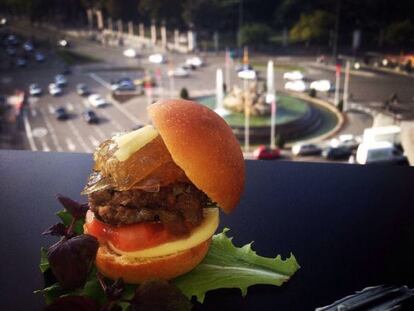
column 338, row 68
column 346, row 85
column 227, row 69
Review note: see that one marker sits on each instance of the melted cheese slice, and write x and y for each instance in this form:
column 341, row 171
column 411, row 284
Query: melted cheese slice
column 200, row 234
column 131, row 142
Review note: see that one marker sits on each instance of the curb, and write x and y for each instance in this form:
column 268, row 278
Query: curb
column 340, row 116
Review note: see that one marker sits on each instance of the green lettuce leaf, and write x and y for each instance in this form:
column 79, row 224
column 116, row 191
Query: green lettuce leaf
column 66, row 218
column 228, row 266
column 44, row 262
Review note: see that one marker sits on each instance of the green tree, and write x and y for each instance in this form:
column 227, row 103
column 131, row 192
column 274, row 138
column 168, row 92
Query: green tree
column 254, row 34
column 399, row 33
column 312, row 27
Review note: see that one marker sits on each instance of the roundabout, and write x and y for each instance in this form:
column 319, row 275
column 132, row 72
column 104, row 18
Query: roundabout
column 297, row 119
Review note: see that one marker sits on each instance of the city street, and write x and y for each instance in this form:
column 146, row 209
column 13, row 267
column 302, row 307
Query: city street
column 46, row 133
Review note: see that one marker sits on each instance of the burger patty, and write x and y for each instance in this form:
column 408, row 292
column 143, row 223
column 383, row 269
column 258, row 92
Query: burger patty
column 175, row 205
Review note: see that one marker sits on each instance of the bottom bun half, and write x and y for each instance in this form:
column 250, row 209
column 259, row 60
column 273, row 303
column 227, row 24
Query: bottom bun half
column 137, row 270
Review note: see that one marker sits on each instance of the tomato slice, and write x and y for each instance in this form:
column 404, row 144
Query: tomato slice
column 128, row 238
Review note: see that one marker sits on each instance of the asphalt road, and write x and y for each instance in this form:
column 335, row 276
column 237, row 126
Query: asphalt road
column 75, row 135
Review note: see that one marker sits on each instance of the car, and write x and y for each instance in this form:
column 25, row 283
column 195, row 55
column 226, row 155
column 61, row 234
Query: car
column 66, row 70
column 123, row 84
column 39, row 57
column 28, row 46
column 130, row 53
column 194, row 61
column 242, row 67
column 64, row 43
column 266, row 153
column 61, row 114
column 337, row 153
column 82, row 89
column 302, row 149
column 35, row 90
column 90, row 117
column 180, row 72
column 297, row 86
column 54, row 89
column 21, row 62
column 293, row 75
column 321, row 85
column 96, row 101
column 248, row 74
column 60, row 80
column 157, row 58
column 346, row 140
column 12, row 39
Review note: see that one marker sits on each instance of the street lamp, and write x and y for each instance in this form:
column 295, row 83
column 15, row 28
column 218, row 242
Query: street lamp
column 271, row 99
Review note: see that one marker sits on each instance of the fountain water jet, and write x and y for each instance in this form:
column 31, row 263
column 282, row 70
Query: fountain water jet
column 220, row 110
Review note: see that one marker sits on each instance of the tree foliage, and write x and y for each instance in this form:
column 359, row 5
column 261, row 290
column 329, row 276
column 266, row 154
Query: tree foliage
column 312, row 27
column 254, row 34
column 399, row 32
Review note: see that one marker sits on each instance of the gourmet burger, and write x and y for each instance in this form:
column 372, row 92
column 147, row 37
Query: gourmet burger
column 154, row 192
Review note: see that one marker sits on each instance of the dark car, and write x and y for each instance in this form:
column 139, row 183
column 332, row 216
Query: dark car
column 123, row 84
column 61, row 113
column 337, row 153
column 90, row 117
column 266, row 153
column 82, row 89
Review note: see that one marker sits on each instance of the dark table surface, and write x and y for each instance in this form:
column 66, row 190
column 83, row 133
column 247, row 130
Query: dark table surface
column 348, row 226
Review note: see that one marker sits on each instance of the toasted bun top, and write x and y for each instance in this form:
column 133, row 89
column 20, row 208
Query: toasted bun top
column 203, row 145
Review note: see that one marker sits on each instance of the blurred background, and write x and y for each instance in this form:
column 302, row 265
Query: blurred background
column 299, row 80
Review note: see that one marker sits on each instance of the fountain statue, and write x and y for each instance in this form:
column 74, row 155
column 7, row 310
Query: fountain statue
column 253, row 97
column 220, row 110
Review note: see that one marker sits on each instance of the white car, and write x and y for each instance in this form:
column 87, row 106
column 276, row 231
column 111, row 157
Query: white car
column 39, row 56
column 60, row 80
column 194, row 61
column 293, row 75
column 54, row 89
column 304, row 149
column 247, row 74
column 156, row 58
column 180, row 72
column 130, row 53
column 297, row 86
column 35, row 89
column 96, row 101
column 321, row 85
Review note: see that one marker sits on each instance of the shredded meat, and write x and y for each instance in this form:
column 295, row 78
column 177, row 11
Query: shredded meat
column 175, row 205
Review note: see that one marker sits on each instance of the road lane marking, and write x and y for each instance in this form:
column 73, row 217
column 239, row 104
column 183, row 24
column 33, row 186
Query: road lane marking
column 71, row 146
column 28, row 131
column 118, row 106
column 79, row 137
column 100, row 80
column 52, row 131
column 51, row 109
column 33, row 112
column 45, row 147
column 94, row 141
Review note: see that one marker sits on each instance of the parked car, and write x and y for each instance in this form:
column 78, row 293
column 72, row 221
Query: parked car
column 338, row 153
column 266, row 153
column 60, row 80
column 346, row 140
column 35, row 90
column 379, row 152
column 123, row 84
column 301, row 149
column 21, row 62
column 39, row 57
column 54, row 89
column 63, row 43
column 248, row 74
column 61, row 114
column 82, row 89
column 96, row 101
column 90, row 117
